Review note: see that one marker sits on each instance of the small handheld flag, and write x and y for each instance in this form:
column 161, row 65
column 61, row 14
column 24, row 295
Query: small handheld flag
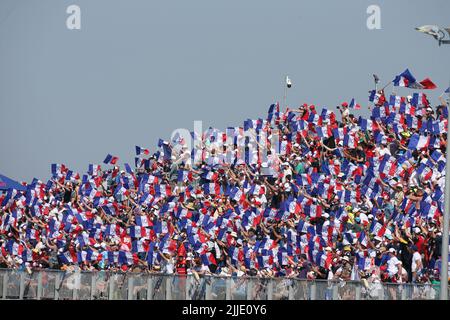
column 110, row 159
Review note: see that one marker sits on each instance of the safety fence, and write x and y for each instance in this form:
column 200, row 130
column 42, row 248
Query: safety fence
column 105, row 285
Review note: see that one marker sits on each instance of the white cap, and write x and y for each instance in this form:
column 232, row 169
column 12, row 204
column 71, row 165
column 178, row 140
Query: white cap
column 392, row 250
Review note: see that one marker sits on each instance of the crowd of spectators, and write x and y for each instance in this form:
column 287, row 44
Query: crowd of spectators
column 349, row 199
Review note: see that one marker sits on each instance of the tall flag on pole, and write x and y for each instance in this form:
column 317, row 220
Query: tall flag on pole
column 404, row 79
column 427, row 84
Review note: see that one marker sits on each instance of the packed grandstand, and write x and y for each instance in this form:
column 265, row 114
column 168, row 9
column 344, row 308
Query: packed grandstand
column 303, row 193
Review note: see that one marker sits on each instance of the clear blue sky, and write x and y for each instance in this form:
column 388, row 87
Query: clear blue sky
column 139, row 69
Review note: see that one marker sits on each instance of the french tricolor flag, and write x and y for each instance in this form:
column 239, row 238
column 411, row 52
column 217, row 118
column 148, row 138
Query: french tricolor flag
column 184, row 213
column 58, row 168
column 354, row 105
column 294, row 207
column 146, row 199
column 324, row 132
column 127, row 258
column 208, row 258
column 67, row 258
column 315, row 211
column 362, row 239
column 350, row 141
column 405, row 79
column 233, row 252
column 365, row 124
column 109, row 209
column 110, row 159
column 212, row 188
column 419, row 99
column 14, row 248
column 128, row 169
column 433, row 212
column 328, row 115
column 152, row 179
column 374, row 97
column 163, row 190
column 140, row 151
column 418, row 142
column 139, row 246
column 364, row 263
column 138, row 232
column 377, row 228
column 143, row 221
column 387, row 167
column 273, row 109
column 407, row 109
column 94, row 169
column 257, row 190
column 212, row 176
column 184, row 176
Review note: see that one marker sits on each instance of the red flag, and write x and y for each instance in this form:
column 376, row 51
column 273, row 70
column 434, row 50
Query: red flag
column 428, row 84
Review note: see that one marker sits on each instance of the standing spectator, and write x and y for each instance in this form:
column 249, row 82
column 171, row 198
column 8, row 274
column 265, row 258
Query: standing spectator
column 416, row 265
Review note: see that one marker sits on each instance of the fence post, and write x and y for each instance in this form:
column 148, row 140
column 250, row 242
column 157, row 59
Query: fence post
column 228, row 288
column 93, row 275
column 270, row 289
column 150, row 288
column 249, row 289
column 22, row 285
column 188, row 286
column 381, row 293
column 111, row 281
column 5, row 284
column 39, row 286
column 403, row 289
column 291, row 290
column 76, row 284
column 130, row 294
column 168, row 288
column 313, row 290
column 358, row 291
column 208, row 287
column 57, row 284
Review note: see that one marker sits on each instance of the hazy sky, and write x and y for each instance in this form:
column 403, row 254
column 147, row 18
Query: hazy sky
column 138, row 69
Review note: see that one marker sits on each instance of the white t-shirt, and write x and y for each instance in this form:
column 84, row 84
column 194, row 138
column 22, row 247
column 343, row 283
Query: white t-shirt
column 393, row 266
column 384, row 151
column 415, row 261
column 345, row 113
column 170, row 266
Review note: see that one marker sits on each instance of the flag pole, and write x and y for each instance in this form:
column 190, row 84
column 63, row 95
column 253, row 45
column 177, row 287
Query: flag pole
column 445, row 227
column 386, row 85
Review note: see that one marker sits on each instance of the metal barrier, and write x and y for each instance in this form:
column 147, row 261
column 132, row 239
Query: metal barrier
column 104, row 285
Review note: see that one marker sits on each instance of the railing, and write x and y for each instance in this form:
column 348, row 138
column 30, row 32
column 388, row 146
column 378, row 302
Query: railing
column 104, row 285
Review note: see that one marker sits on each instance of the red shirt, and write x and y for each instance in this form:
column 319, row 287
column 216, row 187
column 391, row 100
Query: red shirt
column 420, row 244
